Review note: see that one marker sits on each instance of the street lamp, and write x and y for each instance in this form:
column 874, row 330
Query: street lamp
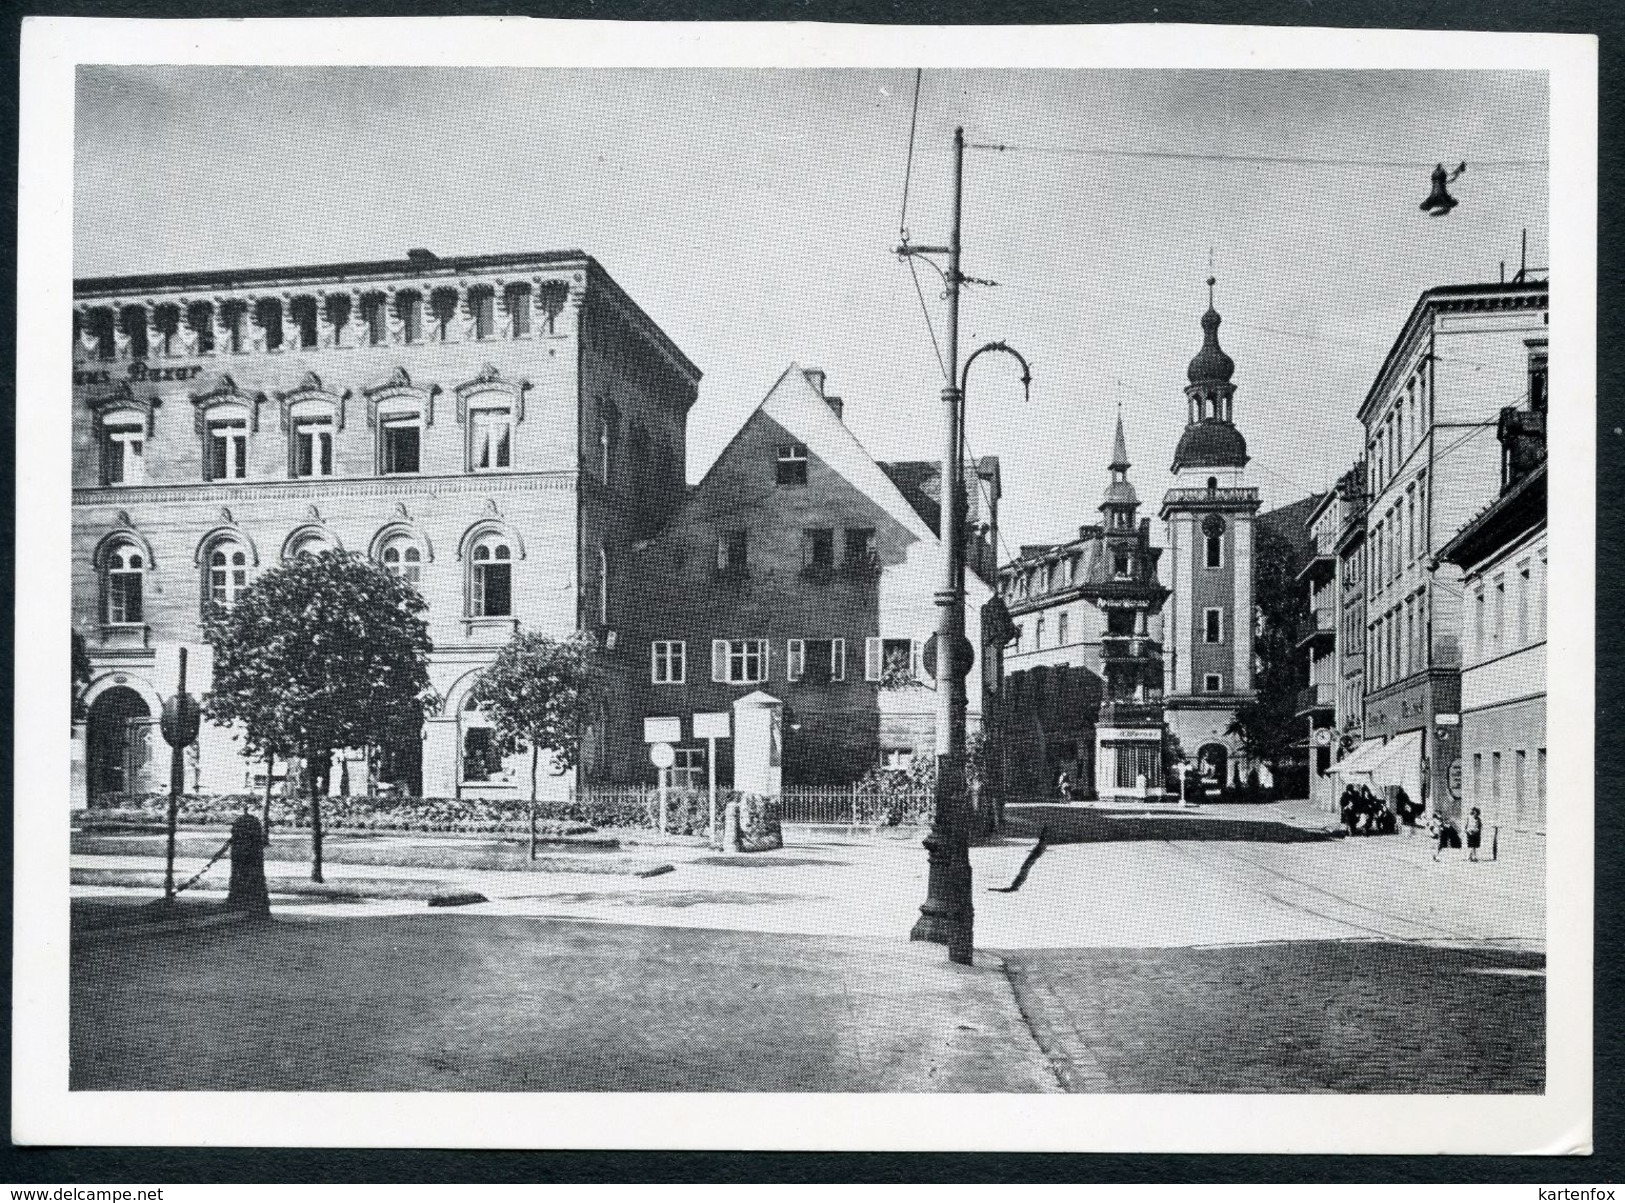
column 948, row 915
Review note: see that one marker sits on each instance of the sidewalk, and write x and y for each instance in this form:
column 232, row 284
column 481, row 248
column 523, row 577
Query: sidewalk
column 483, row 1002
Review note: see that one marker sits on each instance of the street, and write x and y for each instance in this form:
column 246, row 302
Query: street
column 1153, row 956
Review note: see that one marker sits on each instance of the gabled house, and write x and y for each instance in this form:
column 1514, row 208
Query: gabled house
column 799, row 567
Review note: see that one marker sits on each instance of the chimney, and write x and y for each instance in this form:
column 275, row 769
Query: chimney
column 421, row 257
column 835, row 404
column 815, row 377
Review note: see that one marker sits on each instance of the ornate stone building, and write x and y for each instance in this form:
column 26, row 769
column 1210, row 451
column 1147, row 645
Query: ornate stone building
column 498, row 429
column 1083, row 680
column 1209, row 514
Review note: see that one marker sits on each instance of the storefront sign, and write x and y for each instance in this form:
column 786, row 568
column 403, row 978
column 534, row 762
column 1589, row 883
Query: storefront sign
column 139, row 373
column 662, row 730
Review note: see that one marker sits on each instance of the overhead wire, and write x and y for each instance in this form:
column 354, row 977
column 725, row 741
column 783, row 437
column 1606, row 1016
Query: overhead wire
column 1102, row 152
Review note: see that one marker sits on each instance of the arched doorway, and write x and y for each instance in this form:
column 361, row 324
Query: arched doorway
column 1213, row 763
column 117, row 737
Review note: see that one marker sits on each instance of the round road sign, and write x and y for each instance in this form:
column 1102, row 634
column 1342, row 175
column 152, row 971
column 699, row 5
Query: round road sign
column 662, row 756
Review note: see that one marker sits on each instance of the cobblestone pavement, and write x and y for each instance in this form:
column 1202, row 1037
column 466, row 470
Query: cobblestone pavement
column 1296, row 1017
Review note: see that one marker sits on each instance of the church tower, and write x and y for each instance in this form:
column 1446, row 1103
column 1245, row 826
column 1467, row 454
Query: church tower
column 1208, row 657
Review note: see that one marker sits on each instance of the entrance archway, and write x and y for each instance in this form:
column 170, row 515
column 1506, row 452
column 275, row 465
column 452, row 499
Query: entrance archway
column 1213, row 762
column 117, row 739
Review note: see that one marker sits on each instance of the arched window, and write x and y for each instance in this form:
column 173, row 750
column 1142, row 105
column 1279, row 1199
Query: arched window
column 442, row 309
column 401, row 556
column 1212, row 483
column 226, row 573
column 303, row 312
column 200, row 321
column 101, row 325
column 166, row 328
column 232, row 316
column 124, row 570
column 311, row 543
column 133, row 325
column 268, row 317
column 490, row 585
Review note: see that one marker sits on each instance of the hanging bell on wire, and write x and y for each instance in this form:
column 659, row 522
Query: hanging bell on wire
column 1439, row 201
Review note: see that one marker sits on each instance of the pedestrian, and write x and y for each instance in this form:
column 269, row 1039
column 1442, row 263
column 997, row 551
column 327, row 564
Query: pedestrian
column 1475, row 834
column 1064, row 787
column 1444, row 831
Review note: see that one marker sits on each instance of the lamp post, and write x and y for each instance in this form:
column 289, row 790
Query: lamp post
column 947, row 916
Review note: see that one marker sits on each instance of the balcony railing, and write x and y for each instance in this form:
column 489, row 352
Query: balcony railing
column 1318, row 624
column 1317, row 697
column 1131, row 714
column 1129, row 647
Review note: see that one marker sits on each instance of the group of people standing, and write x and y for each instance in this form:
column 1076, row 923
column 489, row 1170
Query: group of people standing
column 1365, row 813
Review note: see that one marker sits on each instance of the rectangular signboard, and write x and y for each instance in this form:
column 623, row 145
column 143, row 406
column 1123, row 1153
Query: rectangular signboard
column 712, row 725
column 662, row 730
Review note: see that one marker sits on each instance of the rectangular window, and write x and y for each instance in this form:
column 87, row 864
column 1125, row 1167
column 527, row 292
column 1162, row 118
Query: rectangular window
column 123, row 461
column 1540, row 782
column 480, row 759
column 883, row 655
column 516, row 299
column 1038, row 634
column 792, row 464
column 1068, row 567
column 1497, row 619
column 1120, row 565
column 491, row 432
column 816, row 661
column 1520, row 763
column 1495, row 781
column 409, row 311
column 401, row 442
column 483, row 301
column 1215, row 551
column 732, row 552
column 124, row 596
column 668, row 662
column 228, row 449
column 860, row 546
column 492, row 589
column 1540, row 601
column 1537, row 382
column 1060, row 631
column 688, row 769
column 896, row 760
column 1213, row 683
column 374, row 322
column 1213, row 626
column 1478, row 622
column 313, row 447
column 1478, row 777
column 739, row 661
column 818, row 547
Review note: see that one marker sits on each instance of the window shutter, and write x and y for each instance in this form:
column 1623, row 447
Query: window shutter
column 795, row 659
column 679, row 674
column 654, row 662
column 765, row 647
column 719, row 660
column 837, row 660
column 871, row 659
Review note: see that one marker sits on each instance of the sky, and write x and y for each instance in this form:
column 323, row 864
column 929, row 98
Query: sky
column 754, row 214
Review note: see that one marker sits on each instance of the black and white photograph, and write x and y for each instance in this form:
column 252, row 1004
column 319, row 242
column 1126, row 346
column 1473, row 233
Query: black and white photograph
column 728, row 581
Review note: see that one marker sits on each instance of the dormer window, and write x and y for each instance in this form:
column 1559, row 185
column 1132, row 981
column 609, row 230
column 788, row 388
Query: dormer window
column 792, row 464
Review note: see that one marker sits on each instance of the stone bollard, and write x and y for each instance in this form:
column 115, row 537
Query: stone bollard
column 247, row 891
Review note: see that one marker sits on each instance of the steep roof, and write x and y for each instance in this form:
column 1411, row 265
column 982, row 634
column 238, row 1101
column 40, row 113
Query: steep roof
column 1289, row 522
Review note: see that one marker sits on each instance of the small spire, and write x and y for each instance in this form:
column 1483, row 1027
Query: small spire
column 1119, row 447
column 1211, row 281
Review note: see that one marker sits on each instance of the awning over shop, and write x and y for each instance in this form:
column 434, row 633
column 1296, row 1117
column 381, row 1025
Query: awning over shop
column 1401, row 764
column 1359, row 761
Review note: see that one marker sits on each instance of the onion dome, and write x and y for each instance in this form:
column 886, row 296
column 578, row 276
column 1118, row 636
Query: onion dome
column 1211, row 365
column 1210, row 444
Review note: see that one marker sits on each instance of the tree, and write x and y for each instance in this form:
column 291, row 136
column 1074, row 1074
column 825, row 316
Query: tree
column 80, row 672
column 324, row 653
column 1268, row 727
column 536, row 694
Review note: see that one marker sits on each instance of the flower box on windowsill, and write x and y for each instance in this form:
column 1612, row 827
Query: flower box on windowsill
column 124, row 634
column 490, row 628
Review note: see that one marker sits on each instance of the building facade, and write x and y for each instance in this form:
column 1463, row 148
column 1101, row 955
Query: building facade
column 1465, row 352
column 1083, row 679
column 500, row 430
column 1331, row 703
column 1502, row 557
column 801, row 568
column 1209, row 513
